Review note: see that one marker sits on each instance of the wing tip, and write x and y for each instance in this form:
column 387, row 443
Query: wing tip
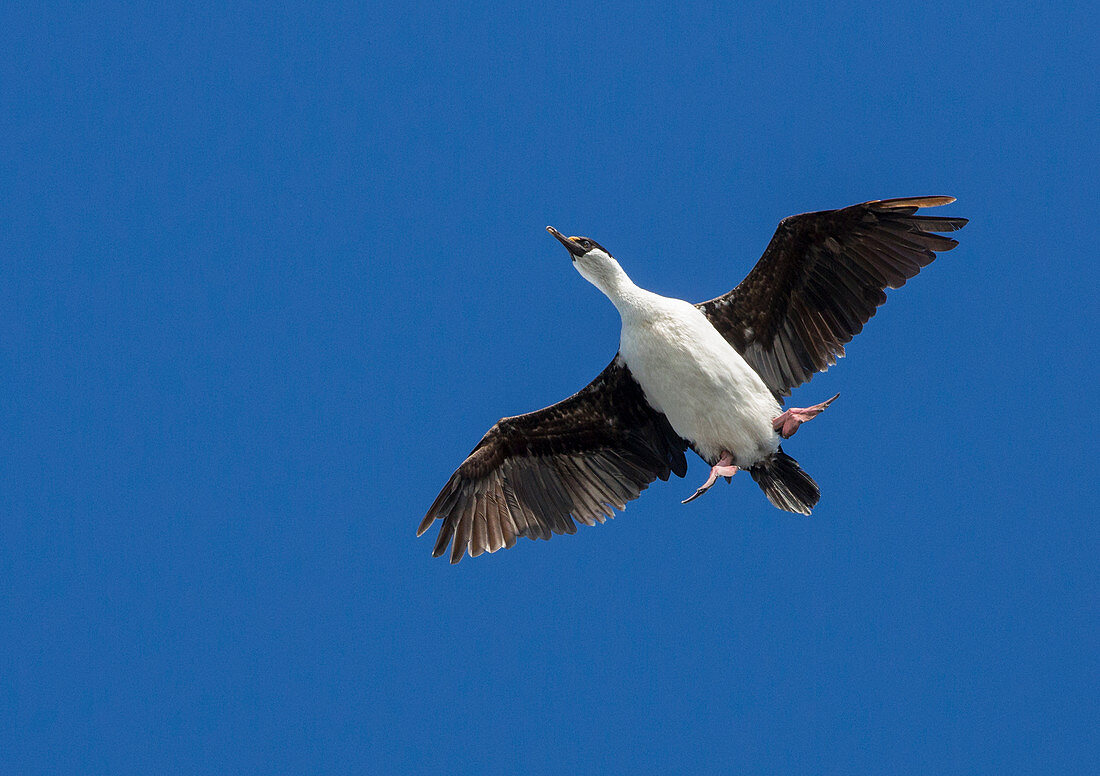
column 929, row 200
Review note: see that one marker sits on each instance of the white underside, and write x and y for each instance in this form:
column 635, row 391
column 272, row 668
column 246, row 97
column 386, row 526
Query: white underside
column 688, row 371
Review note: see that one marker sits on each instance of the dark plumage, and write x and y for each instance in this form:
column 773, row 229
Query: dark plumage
column 822, row 276
column 532, row 475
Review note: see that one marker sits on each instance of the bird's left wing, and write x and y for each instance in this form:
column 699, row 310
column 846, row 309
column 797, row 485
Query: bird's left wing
column 820, row 279
column 532, row 475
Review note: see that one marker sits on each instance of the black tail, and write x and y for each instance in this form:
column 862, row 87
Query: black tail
column 785, row 484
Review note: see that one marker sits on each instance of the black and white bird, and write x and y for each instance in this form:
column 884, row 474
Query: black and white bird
column 709, row 376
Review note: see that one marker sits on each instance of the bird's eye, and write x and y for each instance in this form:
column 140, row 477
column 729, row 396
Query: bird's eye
column 586, row 244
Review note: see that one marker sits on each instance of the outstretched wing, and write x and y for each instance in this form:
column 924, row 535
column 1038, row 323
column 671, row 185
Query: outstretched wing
column 533, row 474
column 821, row 278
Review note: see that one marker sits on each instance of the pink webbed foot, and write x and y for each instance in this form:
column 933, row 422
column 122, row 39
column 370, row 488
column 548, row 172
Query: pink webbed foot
column 787, row 423
column 724, row 468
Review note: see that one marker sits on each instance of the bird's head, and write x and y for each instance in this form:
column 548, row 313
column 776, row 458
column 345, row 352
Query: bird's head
column 589, row 258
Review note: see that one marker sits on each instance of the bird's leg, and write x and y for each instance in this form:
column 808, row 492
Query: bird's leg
column 724, row 468
column 787, row 423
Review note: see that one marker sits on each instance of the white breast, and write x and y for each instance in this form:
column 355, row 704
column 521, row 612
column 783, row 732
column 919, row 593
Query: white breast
column 688, row 371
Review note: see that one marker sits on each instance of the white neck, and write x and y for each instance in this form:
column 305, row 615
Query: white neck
column 602, row 271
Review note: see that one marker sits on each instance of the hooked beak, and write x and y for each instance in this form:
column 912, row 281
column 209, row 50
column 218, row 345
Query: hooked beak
column 575, row 249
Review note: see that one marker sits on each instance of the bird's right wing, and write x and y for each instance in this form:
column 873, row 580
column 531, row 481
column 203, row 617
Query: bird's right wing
column 532, row 475
column 821, row 278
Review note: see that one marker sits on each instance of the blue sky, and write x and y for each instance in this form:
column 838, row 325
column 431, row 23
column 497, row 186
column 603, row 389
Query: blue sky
column 272, row 271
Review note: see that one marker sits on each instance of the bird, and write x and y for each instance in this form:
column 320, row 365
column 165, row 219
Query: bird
column 710, row 377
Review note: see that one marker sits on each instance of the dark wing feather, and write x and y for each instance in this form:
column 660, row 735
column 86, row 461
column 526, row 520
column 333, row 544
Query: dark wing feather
column 821, row 278
column 534, row 474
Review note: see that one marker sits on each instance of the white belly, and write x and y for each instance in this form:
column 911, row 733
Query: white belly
column 709, row 394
